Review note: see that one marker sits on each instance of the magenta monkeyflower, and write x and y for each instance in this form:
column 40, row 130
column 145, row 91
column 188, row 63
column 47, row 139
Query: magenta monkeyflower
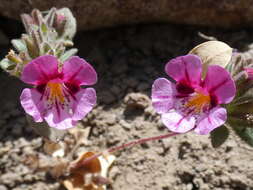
column 193, row 103
column 57, row 96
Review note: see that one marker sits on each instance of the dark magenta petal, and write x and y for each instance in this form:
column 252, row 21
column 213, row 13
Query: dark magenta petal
column 219, row 84
column 249, row 72
column 40, row 70
column 185, row 69
column 77, row 70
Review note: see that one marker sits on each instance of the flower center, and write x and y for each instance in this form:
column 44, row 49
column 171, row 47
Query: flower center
column 199, row 102
column 55, row 92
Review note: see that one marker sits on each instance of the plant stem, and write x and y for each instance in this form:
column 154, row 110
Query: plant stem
column 130, row 144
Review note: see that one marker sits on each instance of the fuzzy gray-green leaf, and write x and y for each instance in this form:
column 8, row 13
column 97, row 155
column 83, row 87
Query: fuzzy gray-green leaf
column 19, row 45
column 68, row 54
column 7, row 65
column 245, row 133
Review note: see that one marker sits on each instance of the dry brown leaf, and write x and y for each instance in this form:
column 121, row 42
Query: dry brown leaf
column 54, row 149
column 81, row 137
column 100, row 181
column 77, row 182
column 74, row 182
column 92, row 174
column 93, row 187
column 60, row 168
column 213, row 52
column 92, row 166
column 106, row 160
column 80, row 133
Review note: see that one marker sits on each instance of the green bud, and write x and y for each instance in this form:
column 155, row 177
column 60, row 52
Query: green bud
column 32, row 48
column 27, row 22
column 13, row 57
column 70, row 25
column 50, row 17
column 7, row 65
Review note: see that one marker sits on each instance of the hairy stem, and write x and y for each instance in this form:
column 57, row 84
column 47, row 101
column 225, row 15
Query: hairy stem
column 127, row 145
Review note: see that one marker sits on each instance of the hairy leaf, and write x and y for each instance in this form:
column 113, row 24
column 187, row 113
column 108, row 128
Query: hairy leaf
column 19, row 45
column 68, row 54
column 245, row 133
column 219, row 136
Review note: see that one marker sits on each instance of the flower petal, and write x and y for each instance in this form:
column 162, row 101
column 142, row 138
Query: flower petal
column 215, row 118
column 33, row 105
column 77, row 70
column 59, row 118
column 178, row 123
column 40, row 70
column 185, row 69
column 249, row 72
column 219, row 84
column 85, row 101
column 163, row 92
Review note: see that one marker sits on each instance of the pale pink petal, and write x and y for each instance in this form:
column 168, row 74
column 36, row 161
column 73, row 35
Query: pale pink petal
column 163, row 93
column 178, row 123
column 32, row 103
column 85, row 101
column 215, row 118
column 219, row 84
column 77, row 70
column 40, row 70
column 59, row 118
column 185, row 69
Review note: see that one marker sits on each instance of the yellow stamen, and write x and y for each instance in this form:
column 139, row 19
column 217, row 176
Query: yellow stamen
column 55, row 91
column 199, row 101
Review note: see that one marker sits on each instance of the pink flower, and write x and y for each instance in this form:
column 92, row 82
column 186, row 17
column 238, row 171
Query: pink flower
column 60, row 18
column 249, row 72
column 57, row 97
column 192, row 103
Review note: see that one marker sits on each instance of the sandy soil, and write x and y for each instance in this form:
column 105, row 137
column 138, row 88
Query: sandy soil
column 128, row 60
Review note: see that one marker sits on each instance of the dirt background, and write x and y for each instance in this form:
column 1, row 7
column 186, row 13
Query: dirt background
column 128, row 60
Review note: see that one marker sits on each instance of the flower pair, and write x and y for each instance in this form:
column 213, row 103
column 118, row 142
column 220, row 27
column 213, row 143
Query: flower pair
column 188, row 103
